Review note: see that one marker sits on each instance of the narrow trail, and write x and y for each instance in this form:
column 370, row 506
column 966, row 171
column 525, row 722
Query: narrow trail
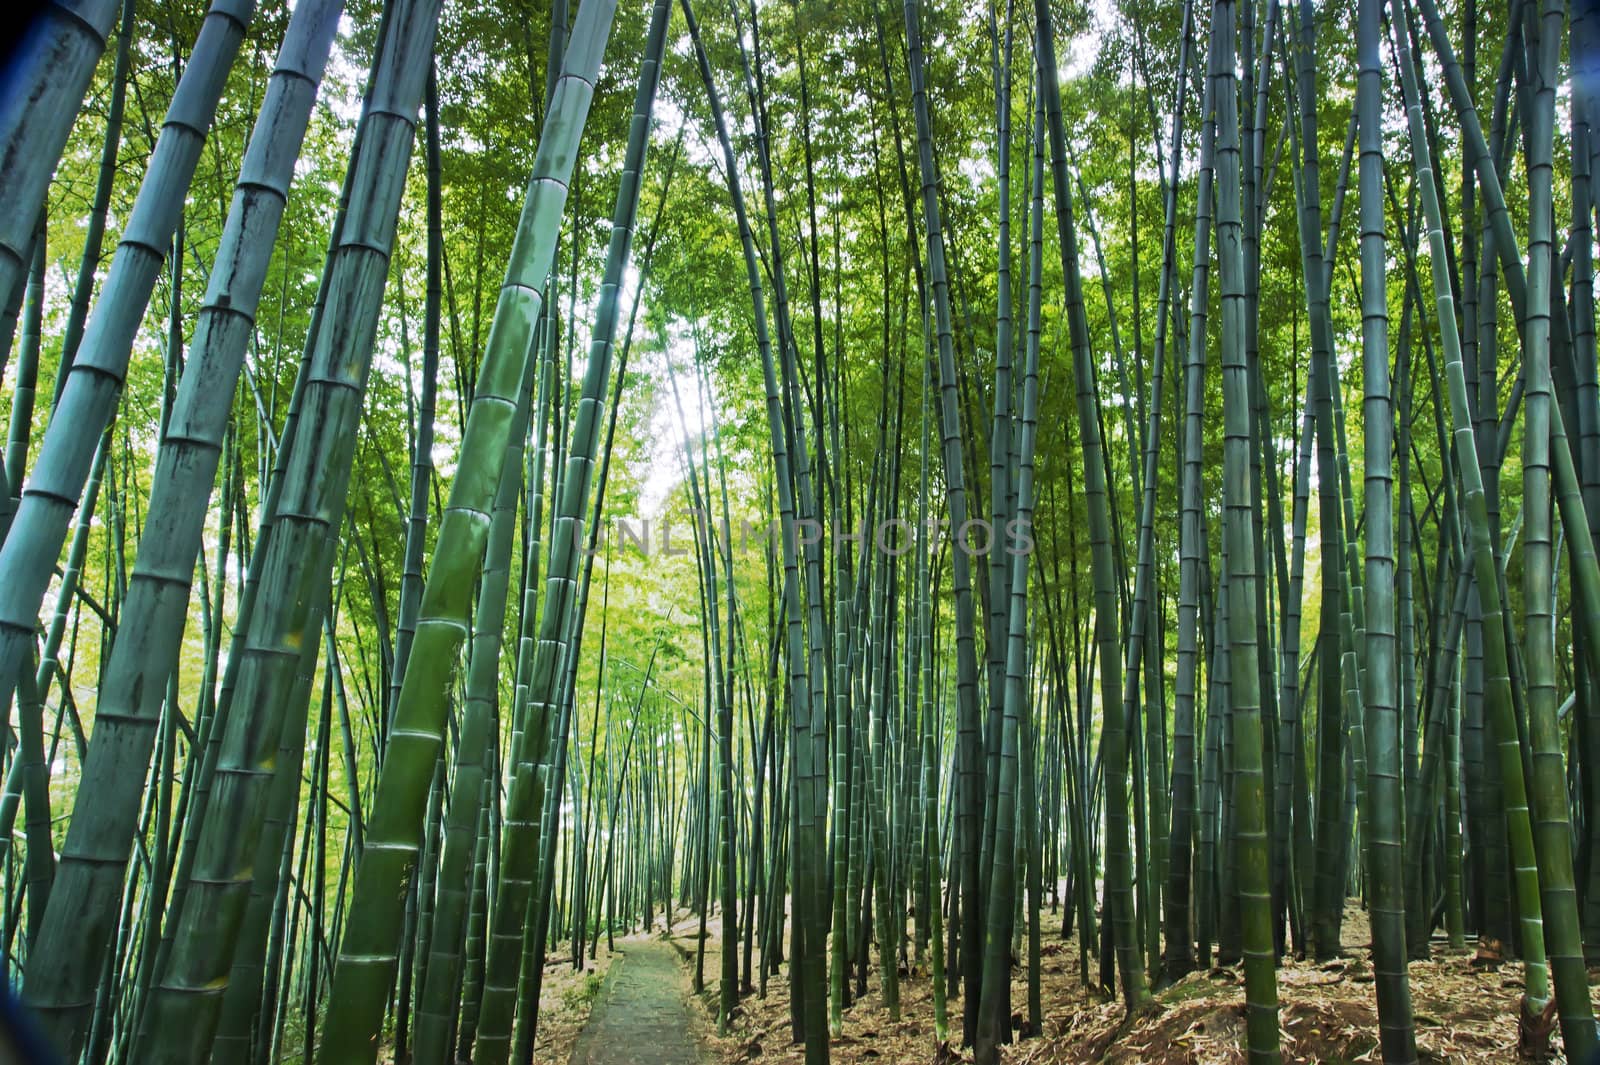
column 643, row 1014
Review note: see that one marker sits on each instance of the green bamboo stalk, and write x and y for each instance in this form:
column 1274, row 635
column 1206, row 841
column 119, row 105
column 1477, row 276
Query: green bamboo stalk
column 1191, row 544
column 1328, row 887
column 152, row 619
column 1381, row 732
column 88, row 398
column 437, row 1006
column 24, row 388
column 49, row 73
column 1551, row 819
column 1147, row 608
column 930, row 728
column 49, row 666
column 807, row 771
column 994, row 1029
column 367, row 956
column 1241, row 534
column 1000, row 445
column 1119, row 872
column 296, row 555
column 1499, row 710
column 968, row 766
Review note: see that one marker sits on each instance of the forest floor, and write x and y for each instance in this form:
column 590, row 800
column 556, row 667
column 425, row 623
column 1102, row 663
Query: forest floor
column 1464, row 1013
column 567, row 997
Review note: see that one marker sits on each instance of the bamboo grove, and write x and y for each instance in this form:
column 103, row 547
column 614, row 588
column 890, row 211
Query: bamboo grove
column 895, row 486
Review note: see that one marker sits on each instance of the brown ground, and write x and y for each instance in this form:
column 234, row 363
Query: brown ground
column 1463, row 1013
column 566, row 998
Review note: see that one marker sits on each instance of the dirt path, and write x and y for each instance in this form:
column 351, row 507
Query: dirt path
column 642, row 1016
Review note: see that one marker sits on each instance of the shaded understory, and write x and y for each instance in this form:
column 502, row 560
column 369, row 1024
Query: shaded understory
column 1465, row 1012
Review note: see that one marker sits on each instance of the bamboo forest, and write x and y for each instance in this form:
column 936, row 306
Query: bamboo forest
column 708, row 532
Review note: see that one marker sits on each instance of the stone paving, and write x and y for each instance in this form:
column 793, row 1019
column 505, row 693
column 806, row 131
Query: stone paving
column 642, row 1014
